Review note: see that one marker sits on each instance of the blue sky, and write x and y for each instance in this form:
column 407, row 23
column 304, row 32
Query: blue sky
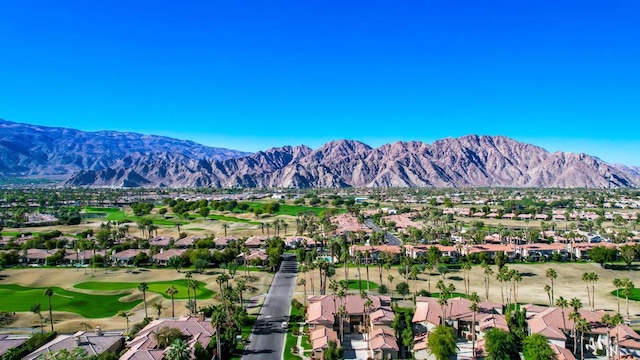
column 252, row 75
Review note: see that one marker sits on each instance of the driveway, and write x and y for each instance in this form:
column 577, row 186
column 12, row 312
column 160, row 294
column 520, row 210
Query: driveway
column 355, row 347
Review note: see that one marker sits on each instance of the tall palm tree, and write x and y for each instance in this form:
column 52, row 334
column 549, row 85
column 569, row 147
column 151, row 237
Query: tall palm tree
column 618, row 284
column 172, row 291
column 466, row 268
column 178, row 350
column 583, row 327
column 188, row 276
column 487, row 275
column 143, row 286
column 547, row 289
column 303, row 282
column 611, row 321
column 552, row 274
column 48, row 292
column 475, row 308
column 593, row 277
column 218, row 319
column 586, row 278
column 126, row 315
column 562, row 303
column 628, row 286
column 225, row 226
column 194, row 286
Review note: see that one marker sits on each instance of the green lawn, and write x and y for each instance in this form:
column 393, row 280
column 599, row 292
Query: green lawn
column 355, row 285
column 113, row 214
column 634, row 295
column 292, row 210
column 18, row 298
column 158, row 287
column 290, row 342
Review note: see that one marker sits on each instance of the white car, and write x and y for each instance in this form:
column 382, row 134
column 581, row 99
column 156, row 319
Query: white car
column 285, row 325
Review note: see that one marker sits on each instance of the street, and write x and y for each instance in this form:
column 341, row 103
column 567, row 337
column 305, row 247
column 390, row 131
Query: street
column 389, row 238
column 268, row 336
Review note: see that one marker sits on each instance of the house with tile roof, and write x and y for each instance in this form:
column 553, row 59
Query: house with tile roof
column 95, row 343
column 146, row 347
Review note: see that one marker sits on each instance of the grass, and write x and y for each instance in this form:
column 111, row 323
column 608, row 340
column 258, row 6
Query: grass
column 246, row 332
column 19, row 298
column 306, row 343
column 113, row 214
column 634, row 295
column 453, row 295
column 290, row 342
column 355, row 285
column 291, row 210
column 232, row 219
column 157, row 287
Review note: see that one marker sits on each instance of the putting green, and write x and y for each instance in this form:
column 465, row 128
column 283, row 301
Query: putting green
column 355, row 285
column 157, row 287
column 19, row 298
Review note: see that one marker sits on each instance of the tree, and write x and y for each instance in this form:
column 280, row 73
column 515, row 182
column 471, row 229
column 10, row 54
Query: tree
column 126, row 315
column 442, row 342
column 547, row 289
column 158, row 306
column 178, row 350
column 143, row 286
column 602, row 254
column 628, row 254
column 333, row 352
column 500, row 345
column 218, row 319
column 618, row 284
column 583, row 327
column 562, row 303
column 176, row 262
column 204, row 212
column 536, row 347
column 610, row 321
column 402, row 288
column 487, row 275
column 48, row 292
column 475, row 308
column 551, row 274
column 628, row 286
column 35, row 308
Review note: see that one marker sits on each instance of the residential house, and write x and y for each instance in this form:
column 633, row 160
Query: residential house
column 126, row 257
column 145, row 346
column 162, row 258
column 221, row 243
column 320, row 341
column 9, row 341
column 95, row 343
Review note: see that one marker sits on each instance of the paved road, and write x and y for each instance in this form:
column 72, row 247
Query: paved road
column 388, row 237
column 267, row 338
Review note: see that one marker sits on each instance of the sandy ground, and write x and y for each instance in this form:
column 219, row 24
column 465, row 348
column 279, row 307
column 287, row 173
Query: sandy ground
column 66, row 278
column 569, row 283
column 198, row 226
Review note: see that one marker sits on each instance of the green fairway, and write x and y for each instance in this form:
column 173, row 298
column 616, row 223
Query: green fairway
column 158, row 287
column 634, row 295
column 18, row 298
column 232, row 219
column 113, row 214
column 292, row 210
column 355, row 285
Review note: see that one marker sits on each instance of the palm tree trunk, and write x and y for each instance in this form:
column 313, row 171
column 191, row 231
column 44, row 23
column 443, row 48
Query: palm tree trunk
column 173, row 307
column 50, row 314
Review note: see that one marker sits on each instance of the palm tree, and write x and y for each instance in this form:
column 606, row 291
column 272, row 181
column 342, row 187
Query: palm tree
column 586, row 278
column 551, row 274
column 143, row 286
column 562, row 303
column 218, row 319
column 628, row 286
column 188, row 275
column 547, row 289
column 193, row 285
column 225, row 226
column 466, row 267
column 303, row 282
column 618, row 284
column 172, row 291
column 126, row 315
column 593, row 277
column 35, row 308
column 48, row 292
column 583, row 327
column 487, row 275
column 611, row 321
column 475, row 308
column 158, row 306
column 178, row 350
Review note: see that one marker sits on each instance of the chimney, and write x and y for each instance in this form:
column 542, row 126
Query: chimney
column 98, row 331
column 200, row 317
column 76, row 340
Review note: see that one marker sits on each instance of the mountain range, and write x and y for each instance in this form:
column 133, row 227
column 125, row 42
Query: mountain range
column 116, row 159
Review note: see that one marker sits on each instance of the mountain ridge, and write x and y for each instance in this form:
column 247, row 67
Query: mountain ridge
column 116, row 159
